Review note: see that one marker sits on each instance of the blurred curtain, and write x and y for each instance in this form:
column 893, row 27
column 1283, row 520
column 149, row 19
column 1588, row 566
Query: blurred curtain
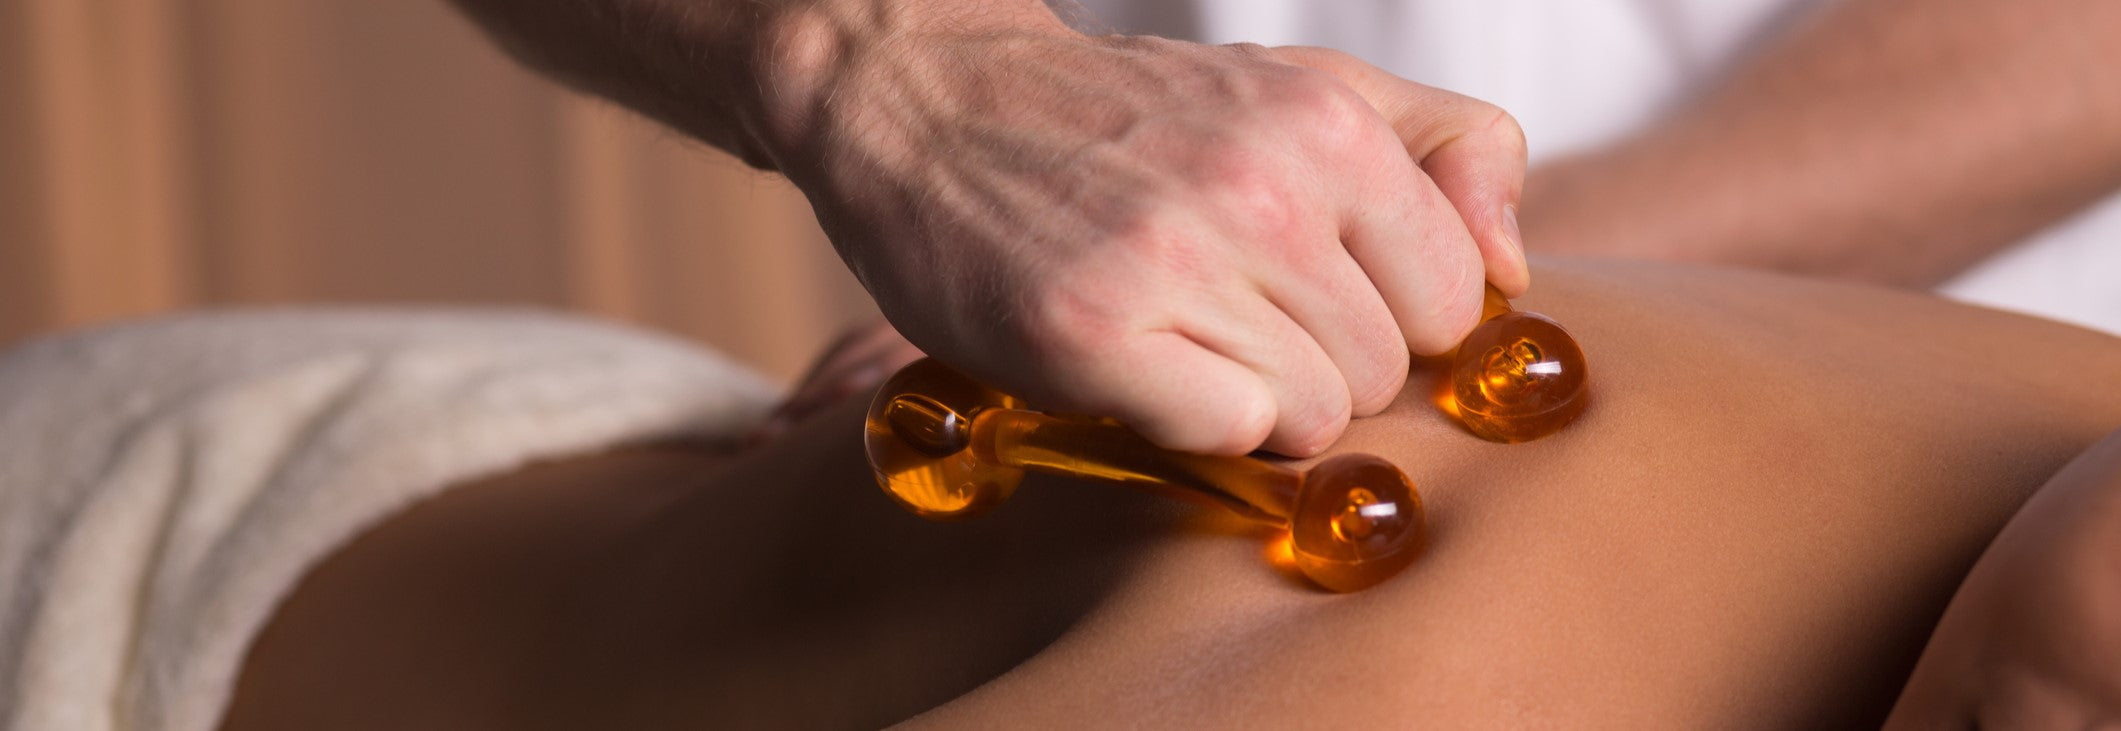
column 167, row 154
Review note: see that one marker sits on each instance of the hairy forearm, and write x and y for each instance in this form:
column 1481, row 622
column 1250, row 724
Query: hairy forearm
column 742, row 75
column 1891, row 140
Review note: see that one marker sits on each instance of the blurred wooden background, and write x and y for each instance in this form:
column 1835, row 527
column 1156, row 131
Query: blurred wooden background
column 158, row 155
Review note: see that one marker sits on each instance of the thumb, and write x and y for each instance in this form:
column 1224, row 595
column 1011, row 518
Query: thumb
column 1473, row 150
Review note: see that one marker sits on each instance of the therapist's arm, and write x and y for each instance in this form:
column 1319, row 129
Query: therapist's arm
column 1222, row 246
column 1897, row 141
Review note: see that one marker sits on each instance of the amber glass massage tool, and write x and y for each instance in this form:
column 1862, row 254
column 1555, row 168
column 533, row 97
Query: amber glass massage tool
column 1518, row 376
column 947, row 447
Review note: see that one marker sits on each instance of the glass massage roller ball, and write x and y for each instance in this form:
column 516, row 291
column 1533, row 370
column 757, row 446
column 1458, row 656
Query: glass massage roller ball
column 946, row 447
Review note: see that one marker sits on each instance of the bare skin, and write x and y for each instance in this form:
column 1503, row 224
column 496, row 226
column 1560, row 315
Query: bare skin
column 1060, row 214
column 2031, row 639
column 1104, row 206
column 1892, row 141
column 1758, row 522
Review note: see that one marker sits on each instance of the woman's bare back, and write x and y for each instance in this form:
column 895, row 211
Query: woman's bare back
column 1774, row 492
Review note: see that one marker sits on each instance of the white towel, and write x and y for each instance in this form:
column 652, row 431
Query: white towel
column 164, row 484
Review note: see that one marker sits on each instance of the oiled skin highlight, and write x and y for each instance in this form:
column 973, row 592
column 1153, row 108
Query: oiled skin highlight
column 1758, row 520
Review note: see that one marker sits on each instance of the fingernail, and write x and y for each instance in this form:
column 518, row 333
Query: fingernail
column 1509, row 229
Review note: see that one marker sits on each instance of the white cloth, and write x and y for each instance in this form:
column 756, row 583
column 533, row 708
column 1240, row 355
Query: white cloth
column 1582, row 73
column 164, row 484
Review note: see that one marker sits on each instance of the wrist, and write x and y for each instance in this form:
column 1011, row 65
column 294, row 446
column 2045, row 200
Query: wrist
column 805, row 53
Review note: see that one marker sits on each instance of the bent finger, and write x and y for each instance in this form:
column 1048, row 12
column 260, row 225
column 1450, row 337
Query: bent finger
column 1474, row 153
column 1311, row 397
column 1174, row 391
column 1333, row 300
column 1415, row 249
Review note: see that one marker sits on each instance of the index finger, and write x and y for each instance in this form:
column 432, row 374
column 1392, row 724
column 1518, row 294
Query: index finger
column 1471, row 151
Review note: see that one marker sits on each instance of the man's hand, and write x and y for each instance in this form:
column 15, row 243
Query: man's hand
column 1219, row 245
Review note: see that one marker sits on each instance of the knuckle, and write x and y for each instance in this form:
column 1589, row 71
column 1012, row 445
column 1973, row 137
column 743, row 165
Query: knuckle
column 1314, row 426
column 1457, row 308
column 1246, row 184
column 1237, row 423
column 1334, row 114
column 1069, row 319
column 1449, row 310
column 1165, row 247
column 1503, row 128
column 1373, row 386
column 1250, row 422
